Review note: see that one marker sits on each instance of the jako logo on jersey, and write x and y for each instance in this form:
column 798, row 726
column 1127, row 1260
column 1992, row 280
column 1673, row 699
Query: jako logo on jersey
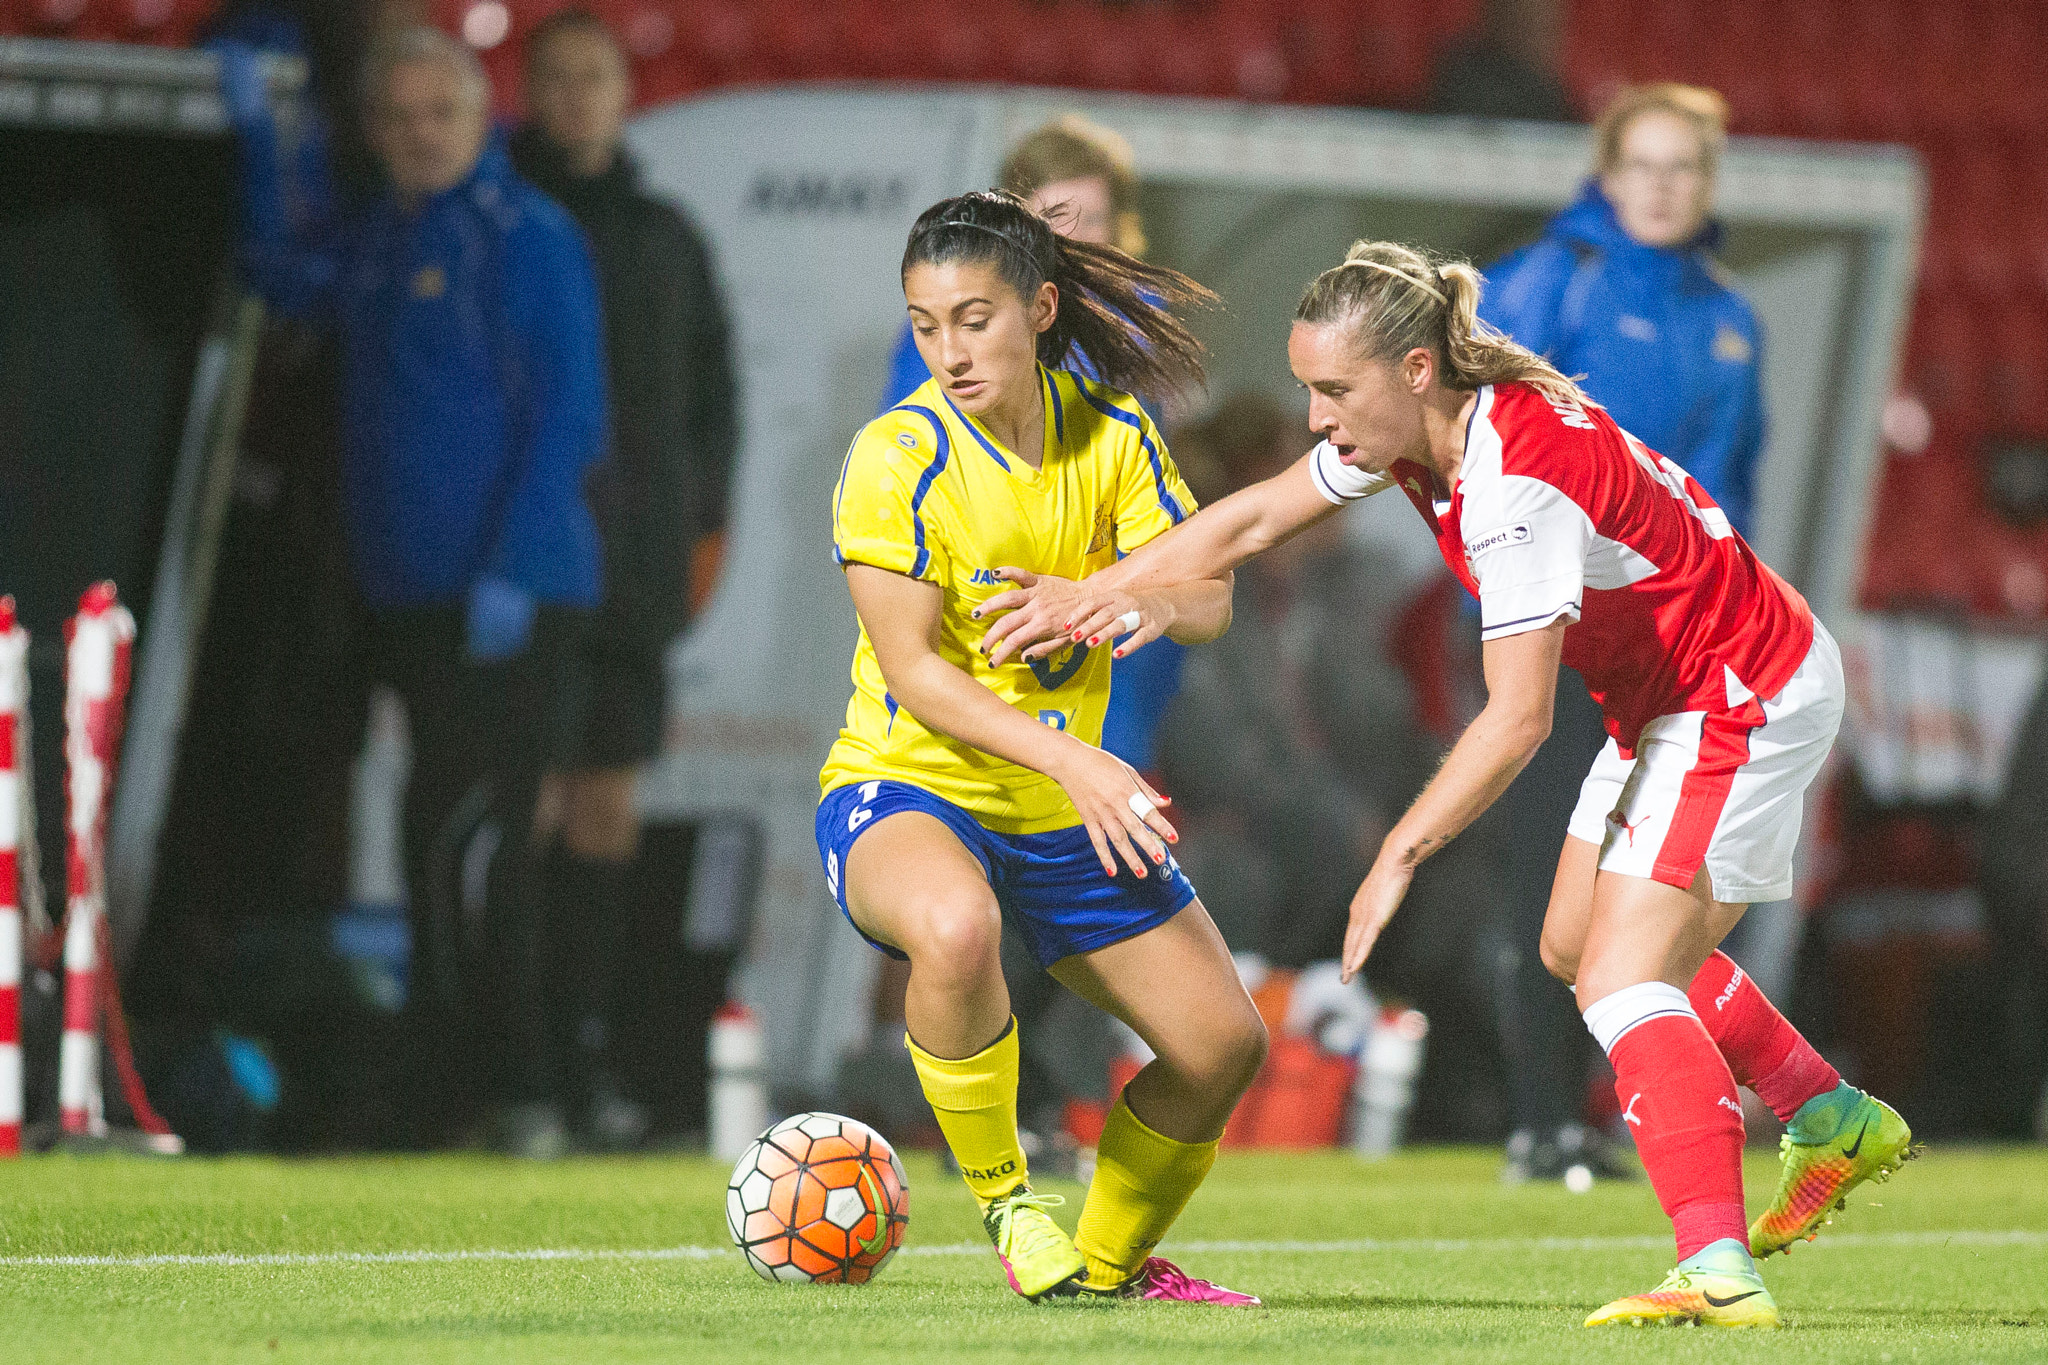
column 1734, row 985
column 992, row 1173
column 1518, row 534
column 984, row 577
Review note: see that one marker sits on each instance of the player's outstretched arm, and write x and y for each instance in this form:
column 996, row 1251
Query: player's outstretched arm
column 1521, row 692
column 902, row 616
column 1042, row 619
column 1187, row 613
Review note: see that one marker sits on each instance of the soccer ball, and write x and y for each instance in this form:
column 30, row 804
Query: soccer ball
column 818, row 1197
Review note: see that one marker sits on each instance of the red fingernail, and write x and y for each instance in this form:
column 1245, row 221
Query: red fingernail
column 1093, row 641
column 1116, row 654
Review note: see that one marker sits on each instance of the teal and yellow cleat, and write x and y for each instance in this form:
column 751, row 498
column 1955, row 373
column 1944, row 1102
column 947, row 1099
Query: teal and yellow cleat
column 1833, row 1144
column 1718, row 1287
column 1040, row 1259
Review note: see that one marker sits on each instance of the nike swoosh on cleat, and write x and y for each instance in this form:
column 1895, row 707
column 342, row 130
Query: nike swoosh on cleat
column 1738, row 1298
column 1853, row 1148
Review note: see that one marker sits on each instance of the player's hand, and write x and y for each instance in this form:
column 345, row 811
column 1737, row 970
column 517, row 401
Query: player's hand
column 1046, row 614
column 1379, row 896
column 1119, row 809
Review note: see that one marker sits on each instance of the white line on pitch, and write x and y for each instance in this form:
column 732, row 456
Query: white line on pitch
column 1955, row 1237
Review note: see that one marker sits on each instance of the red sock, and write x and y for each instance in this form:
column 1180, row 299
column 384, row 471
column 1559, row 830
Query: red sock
column 1679, row 1101
column 1766, row 1054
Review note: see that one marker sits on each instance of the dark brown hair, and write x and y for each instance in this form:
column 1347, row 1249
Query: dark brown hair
column 1113, row 308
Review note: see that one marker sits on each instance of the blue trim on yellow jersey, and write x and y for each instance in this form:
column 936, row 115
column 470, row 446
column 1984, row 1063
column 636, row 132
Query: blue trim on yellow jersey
column 839, row 500
column 986, row 444
column 1174, row 511
column 890, row 702
column 1059, row 421
column 924, row 485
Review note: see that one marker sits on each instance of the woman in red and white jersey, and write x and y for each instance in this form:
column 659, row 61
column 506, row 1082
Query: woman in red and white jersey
column 1721, row 693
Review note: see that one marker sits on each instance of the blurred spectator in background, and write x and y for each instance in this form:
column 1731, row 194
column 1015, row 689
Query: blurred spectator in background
column 1623, row 290
column 473, row 402
column 660, row 497
column 1507, row 67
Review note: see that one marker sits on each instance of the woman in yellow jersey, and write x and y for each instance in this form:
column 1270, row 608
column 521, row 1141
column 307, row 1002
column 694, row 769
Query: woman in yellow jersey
column 960, row 793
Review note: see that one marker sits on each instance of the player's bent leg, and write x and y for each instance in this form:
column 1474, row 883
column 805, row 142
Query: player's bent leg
column 911, row 884
column 1644, row 940
column 1177, row 988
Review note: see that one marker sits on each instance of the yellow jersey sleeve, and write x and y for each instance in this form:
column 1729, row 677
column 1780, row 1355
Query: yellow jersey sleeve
column 881, row 509
column 1151, row 498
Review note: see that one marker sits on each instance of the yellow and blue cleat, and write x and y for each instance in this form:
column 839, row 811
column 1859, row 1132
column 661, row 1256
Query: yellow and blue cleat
column 1833, row 1144
column 1040, row 1260
column 1717, row 1287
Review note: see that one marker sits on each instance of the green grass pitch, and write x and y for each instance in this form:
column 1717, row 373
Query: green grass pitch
column 1423, row 1258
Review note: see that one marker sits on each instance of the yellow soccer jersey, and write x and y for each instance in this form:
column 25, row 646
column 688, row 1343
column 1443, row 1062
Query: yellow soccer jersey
column 927, row 492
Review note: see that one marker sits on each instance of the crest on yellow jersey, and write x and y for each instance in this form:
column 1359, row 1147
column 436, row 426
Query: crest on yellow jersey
column 1105, row 531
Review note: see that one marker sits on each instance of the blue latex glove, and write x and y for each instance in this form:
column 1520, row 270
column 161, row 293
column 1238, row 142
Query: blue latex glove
column 244, row 87
column 500, row 619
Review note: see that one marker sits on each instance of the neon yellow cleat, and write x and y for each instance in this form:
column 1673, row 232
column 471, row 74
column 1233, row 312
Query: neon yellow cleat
column 1717, row 1288
column 1869, row 1142
column 1038, row 1257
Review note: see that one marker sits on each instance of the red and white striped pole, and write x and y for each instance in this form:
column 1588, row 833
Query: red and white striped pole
column 13, row 717
column 99, row 641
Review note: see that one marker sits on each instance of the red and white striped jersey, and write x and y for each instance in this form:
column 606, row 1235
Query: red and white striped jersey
column 1560, row 514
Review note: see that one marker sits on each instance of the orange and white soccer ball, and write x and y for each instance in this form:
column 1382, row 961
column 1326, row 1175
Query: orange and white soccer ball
column 818, row 1197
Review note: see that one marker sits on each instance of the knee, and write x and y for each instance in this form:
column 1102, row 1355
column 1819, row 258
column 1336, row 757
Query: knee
column 957, row 938
column 1225, row 1068
column 1559, row 961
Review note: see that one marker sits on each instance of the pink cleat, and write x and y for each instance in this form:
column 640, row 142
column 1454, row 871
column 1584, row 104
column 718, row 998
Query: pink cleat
column 1160, row 1278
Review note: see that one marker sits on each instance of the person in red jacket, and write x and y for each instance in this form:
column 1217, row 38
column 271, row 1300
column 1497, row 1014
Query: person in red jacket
column 1721, row 693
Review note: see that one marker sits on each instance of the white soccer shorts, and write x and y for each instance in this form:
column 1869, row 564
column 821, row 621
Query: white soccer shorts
column 1719, row 789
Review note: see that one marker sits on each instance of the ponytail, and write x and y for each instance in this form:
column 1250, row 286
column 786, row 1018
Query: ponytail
column 1114, row 309
column 1395, row 299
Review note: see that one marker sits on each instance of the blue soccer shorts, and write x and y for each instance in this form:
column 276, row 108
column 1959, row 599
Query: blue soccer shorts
column 1050, row 886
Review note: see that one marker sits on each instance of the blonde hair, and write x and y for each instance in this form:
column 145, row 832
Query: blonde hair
column 1071, row 148
column 1704, row 109
column 1394, row 299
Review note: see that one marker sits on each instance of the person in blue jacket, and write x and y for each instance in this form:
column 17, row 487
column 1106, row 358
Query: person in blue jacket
column 473, row 404
column 1622, row 289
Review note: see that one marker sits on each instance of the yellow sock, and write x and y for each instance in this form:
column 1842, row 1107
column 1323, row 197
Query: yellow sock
column 1142, row 1181
column 975, row 1099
